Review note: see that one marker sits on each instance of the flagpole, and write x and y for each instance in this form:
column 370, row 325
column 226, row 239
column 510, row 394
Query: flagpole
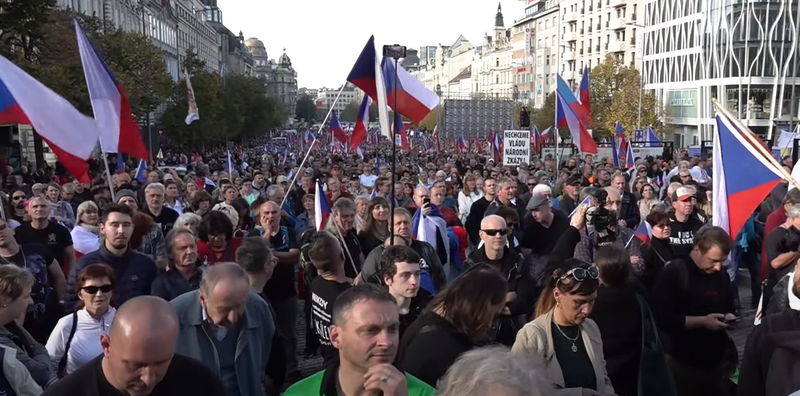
column 294, row 179
column 108, row 170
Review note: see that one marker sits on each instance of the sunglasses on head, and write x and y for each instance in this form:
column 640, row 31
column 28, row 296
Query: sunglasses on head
column 502, row 232
column 581, row 273
column 95, row 289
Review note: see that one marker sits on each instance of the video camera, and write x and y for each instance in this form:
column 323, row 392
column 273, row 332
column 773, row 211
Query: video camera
column 601, row 218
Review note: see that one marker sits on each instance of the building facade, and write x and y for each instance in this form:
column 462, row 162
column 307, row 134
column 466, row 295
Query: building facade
column 495, row 74
column 279, row 77
column 233, row 54
column 743, row 54
column 325, row 97
column 123, row 14
column 197, row 36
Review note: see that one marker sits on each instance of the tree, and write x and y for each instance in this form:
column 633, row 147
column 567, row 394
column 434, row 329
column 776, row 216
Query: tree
column 545, row 117
column 350, row 112
column 23, row 25
column 305, row 108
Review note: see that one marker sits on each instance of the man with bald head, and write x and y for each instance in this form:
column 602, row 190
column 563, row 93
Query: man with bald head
column 139, row 358
column 227, row 327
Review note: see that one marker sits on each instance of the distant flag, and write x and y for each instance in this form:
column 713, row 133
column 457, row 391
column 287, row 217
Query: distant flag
column 309, row 137
column 652, row 139
column 622, row 149
column 160, row 154
column 229, row 167
column 401, row 130
column 615, row 151
column 584, row 94
column 119, row 132
column 360, row 153
column 120, row 164
column 496, row 146
column 338, row 133
column 587, row 202
column 629, row 157
column 141, row 171
column 321, row 208
column 367, row 74
column 743, row 177
column 462, row 144
column 414, row 100
column 566, row 116
column 194, row 112
column 362, row 123
column 571, row 102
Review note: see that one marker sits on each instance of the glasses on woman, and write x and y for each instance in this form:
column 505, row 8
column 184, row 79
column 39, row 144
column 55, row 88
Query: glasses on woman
column 94, row 289
column 502, row 232
column 581, row 273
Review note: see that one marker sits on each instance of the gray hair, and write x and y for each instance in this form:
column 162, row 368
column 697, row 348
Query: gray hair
column 154, row 187
column 794, row 212
column 542, row 189
column 340, row 204
column 185, row 218
column 484, row 370
column 274, row 189
column 215, row 273
column 174, row 233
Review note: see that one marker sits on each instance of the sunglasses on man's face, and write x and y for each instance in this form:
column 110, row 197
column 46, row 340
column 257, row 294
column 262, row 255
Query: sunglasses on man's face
column 18, row 197
column 580, row 273
column 502, row 232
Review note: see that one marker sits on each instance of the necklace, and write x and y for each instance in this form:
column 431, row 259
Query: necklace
column 571, row 340
column 24, row 259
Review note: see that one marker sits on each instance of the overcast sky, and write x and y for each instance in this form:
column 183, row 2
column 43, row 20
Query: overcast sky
column 323, row 38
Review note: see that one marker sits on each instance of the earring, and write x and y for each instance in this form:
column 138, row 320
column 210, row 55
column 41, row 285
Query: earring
column 558, row 303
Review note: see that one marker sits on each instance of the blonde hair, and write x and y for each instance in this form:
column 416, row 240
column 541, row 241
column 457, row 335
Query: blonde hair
column 13, row 280
column 84, row 207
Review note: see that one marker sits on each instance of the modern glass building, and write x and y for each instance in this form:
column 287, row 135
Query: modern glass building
column 743, row 53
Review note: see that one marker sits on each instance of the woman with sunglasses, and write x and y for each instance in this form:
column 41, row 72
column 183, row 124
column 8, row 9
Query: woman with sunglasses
column 456, row 321
column 659, row 251
column 562, row 339
column 75, row 340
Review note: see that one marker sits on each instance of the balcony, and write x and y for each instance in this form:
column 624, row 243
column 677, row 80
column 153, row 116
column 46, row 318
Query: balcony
column 618, row 23
column 570, row 36
column 590, row 28
column 571, row 17
column 568, row 75
column 618, row 3
column 568, row 55
column 616, row 46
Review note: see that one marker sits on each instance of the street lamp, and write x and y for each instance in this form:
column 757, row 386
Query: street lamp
column 641, row 75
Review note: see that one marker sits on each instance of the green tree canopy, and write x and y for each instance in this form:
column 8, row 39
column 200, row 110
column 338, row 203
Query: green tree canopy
column 305, row 108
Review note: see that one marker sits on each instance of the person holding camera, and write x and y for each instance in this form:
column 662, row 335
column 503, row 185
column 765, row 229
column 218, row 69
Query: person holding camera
column 693, row 306
column 602, row 228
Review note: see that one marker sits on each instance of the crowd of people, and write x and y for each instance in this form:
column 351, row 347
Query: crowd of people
column 441, row 273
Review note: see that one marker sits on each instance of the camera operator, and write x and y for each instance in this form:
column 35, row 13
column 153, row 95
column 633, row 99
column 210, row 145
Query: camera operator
column 602, row 228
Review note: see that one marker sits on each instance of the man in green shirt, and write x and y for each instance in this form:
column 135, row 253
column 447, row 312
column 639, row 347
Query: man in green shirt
column 365, row 330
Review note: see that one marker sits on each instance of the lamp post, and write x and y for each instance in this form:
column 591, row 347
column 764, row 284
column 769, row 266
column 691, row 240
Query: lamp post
column 641, row 77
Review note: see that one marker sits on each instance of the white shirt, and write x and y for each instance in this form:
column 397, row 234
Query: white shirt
column 368, row 180
column 85, row 345
column 84, row 241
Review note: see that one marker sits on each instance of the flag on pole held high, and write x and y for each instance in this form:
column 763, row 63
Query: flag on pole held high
column 338, row 132
column 71, row 135
column 119, row 132
column 194, row 112
column 321, row 208
column 368, row 75
column 414, row 100
column 574, row 116
column 362, row 123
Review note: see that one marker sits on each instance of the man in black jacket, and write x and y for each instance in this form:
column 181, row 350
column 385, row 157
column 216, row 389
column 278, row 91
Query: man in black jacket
column 693, row 306
column 770, row 360
column 477, row 210
column 628, row 210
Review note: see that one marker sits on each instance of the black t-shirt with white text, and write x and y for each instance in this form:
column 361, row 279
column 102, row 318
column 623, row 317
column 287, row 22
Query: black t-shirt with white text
column 166, row 219
column 55, row 236
column 323, row 294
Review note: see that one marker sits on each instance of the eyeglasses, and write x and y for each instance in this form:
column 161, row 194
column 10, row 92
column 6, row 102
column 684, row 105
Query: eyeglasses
column 502, row 232
column 18, row 197
column 94, row 289
column 580, row 273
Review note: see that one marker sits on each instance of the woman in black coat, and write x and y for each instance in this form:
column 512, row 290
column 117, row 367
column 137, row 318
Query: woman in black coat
column 660, row 251
column 455, row 322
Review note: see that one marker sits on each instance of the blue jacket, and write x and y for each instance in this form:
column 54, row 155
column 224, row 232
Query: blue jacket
column 252, row 347
column 134, row 271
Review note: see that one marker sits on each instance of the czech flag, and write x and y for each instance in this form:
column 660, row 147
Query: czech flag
column 321, row 208
column 362, row 123
column 629, row 157
column 431, row 229
column 622, row 150
column 338, row 132
column 309, row 137
column 571, row 102
column 462, row 144
column 615, row 151
column 368, row 75
column 644, row 232
column 141, row 171
column 414, row 100
column 229, row 165
column 651, row 139
column 580, row 136
column 585, row 96
column 402, row 136
column 743, row 177
column 119, row 132
column 497, row 150
column 70, row 134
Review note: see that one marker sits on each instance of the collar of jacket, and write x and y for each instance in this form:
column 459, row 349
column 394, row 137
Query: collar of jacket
column 328, row 384
column 107, row 255
column 194, row 315
column 510, row 258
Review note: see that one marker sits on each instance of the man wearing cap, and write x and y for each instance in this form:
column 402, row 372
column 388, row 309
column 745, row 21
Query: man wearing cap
column 684, row 225
column 568, row 200
column 540, row 235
